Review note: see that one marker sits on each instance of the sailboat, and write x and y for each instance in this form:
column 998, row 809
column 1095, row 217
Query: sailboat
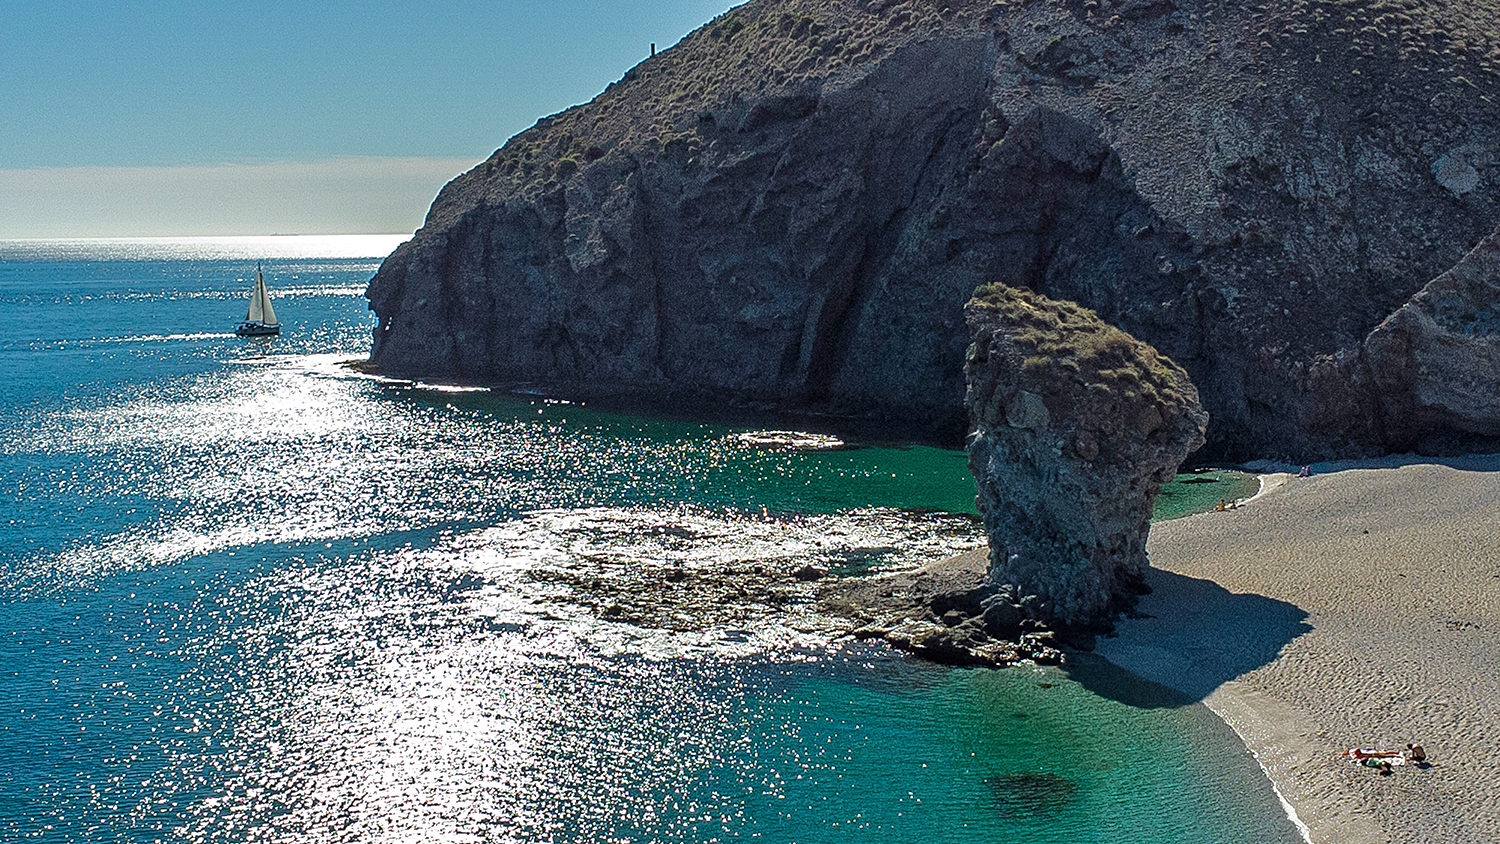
column 261, row 318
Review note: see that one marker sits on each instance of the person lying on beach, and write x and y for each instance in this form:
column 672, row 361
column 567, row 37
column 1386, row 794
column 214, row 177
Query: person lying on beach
column 1371, row 755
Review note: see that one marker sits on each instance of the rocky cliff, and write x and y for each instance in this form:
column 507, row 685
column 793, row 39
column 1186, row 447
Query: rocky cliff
column 1430, row 373
column 1076, row 425
column 790, row 208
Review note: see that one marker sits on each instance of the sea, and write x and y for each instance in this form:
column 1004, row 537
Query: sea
column 251, row 594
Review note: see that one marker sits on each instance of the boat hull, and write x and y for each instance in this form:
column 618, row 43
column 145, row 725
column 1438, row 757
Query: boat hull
column 256, row 329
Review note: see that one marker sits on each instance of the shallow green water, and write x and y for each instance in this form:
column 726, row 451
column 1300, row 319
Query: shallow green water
column 1201, row 491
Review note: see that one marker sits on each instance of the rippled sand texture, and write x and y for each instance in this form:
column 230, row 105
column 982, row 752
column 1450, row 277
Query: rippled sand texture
column 1348, row 608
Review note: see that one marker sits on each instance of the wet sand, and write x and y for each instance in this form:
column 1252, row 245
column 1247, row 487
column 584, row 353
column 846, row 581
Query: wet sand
column 1356, row 606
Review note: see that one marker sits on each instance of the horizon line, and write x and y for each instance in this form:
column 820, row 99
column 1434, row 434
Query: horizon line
column 374, row 195
column 199, row 237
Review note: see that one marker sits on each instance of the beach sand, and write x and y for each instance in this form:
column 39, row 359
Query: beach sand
column 1356, row 606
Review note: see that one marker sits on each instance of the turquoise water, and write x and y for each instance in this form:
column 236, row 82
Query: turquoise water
column 1200, row 491
column 252, row 596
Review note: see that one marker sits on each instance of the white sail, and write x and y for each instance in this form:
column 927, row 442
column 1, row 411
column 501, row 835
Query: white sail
column 257, row 311
column 260, row 317
column 268, row 313
column 260, row 302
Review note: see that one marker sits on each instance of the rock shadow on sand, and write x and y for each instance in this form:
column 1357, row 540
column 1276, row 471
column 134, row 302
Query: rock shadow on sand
column 1188, row 637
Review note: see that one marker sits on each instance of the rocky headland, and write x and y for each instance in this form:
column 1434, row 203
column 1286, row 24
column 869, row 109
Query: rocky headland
column 789, row 209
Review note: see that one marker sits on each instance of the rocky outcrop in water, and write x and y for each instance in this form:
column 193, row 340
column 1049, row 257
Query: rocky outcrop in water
column 947, row 611
column 789, row 209
column 1076, row 427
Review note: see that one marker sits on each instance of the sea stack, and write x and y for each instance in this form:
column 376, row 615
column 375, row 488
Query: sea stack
column 1076, row 425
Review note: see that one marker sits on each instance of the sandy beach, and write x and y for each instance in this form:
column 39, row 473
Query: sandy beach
column 1356, row 606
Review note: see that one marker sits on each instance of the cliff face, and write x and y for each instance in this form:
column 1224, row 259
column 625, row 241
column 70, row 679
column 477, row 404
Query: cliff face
column 1435, row 363
column 790, row 208
column 1432, row 368
column 1076, row 425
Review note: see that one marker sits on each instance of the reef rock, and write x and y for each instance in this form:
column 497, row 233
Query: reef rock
column 789, row 209
column 1076, row 427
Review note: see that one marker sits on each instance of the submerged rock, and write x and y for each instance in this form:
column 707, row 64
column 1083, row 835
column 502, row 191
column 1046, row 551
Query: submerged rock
column 1076, row 427
column 1032, row 794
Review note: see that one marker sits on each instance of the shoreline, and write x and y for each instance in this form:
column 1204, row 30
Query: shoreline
column 1355, row 606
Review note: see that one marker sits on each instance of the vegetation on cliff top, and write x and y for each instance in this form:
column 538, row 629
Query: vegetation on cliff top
column 1064, row 342
column 770, row 47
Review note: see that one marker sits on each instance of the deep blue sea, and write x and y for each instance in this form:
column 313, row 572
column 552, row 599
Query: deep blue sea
column 250, row 595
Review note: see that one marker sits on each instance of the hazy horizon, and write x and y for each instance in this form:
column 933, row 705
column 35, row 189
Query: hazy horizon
column 247, row 248
column 180, row 119
column 332, row 196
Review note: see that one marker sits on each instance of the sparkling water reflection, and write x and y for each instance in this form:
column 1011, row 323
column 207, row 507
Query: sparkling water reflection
column 252, row 596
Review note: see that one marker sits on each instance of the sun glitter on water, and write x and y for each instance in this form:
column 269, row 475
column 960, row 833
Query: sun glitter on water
column 252, row 596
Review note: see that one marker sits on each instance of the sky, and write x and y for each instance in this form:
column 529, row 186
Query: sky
column 184, row 118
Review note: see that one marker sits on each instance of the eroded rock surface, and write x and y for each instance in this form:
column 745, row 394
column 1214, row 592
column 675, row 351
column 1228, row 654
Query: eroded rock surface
column 1435, row 363
column 1076, row 427
column 947, row 611
column 1428, row 377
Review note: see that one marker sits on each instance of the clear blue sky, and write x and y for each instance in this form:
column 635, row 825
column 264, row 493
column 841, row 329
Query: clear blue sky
column 235, row 94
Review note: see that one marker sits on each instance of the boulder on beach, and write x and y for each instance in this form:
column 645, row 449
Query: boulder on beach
column 1428, row 377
